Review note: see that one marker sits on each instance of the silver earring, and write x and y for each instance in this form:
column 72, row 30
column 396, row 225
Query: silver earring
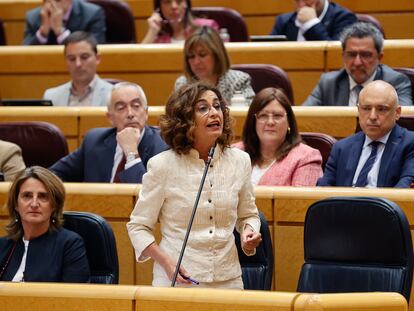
column 16, row 219
column 53, row 220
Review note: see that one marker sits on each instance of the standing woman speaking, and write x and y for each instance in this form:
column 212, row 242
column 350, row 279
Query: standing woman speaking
column 196, row 119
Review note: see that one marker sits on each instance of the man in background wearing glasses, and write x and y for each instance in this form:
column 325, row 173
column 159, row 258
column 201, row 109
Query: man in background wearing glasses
column 362, row 45
column 382, row 154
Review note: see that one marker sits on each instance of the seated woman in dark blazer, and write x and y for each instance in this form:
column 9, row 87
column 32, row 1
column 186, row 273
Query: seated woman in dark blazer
column 37, row 248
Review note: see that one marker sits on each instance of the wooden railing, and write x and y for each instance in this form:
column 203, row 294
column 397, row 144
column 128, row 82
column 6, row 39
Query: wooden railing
column 395, row 16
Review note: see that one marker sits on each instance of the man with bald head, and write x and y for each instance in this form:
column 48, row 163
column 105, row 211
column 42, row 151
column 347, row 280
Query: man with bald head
column 382, row 154
column 313, row 20
column 117, row 154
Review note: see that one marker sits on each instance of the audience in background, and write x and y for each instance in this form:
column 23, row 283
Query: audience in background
column 313, row 20
column 362, row 45
column 54, row 21
column 172, row 21
column 120, row 153
column 86, row 87
column 195, row 120
column 382, row 155
column 270, row 136
column 11, row 160
column 206, row 59
column 37, row 248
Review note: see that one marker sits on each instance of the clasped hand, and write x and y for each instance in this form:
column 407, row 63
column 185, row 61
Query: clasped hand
column 52, row 17
column 250, row 239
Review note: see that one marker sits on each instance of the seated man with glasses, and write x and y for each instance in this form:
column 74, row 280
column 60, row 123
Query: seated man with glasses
column 117, row 154
column 362, row 45
column 382, row 154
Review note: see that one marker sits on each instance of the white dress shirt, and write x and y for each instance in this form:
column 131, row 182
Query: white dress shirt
column 353, row 96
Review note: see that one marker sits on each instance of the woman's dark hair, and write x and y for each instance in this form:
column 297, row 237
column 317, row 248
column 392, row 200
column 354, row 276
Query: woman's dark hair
column 55, row 190
column 177, row 125
column 166, row 28
column 249, row 136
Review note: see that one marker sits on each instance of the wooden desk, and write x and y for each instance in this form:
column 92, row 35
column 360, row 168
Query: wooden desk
column 395, row 16
column 68, row 297
column 154, row 66
column 283, row 207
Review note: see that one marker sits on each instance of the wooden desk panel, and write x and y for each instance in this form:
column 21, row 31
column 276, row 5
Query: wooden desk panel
column 151, row 65
column 65, row 297
column 259, row 15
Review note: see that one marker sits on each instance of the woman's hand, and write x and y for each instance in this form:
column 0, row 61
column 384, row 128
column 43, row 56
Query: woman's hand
column 154, row 27
column 250, row 239
column 170, row 266
column 154, row 251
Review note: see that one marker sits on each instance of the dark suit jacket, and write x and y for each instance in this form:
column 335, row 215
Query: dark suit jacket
column 57, row 256
column 333, row 87
column 396, row 167
column 336, row 19
column 94, row 159
column 84, row 16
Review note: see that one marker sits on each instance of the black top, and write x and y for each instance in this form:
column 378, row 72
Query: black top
column 57, row 256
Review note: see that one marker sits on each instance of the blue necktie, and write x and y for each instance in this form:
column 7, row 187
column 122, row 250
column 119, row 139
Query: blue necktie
column 363, row 174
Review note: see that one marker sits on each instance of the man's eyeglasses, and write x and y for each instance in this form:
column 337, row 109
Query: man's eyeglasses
column 380, row 109
column 363, row 55
column 265, row 117
column 204, row 109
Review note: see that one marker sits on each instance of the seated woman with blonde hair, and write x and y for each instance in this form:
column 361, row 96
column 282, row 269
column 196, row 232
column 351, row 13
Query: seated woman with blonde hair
column 37, row 248
column 206, row 59
column 271, row 138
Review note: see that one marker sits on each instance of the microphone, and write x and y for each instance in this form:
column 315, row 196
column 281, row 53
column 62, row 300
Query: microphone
column 190, row 222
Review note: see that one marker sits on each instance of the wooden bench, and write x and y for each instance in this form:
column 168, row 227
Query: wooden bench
column 68, row 297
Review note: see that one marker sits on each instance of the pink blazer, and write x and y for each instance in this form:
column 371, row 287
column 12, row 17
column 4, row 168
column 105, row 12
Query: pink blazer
column 166, row 38
column 301, row 167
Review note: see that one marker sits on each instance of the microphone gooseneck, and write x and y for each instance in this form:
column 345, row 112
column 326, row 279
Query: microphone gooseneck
column 190, row 222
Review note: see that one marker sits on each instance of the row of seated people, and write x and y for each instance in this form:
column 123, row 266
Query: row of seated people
column 199, row 109
column 270, row 137
column 206, row 59
column 174, row 20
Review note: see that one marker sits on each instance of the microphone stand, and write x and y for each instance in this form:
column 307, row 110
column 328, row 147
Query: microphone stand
column 190, row 223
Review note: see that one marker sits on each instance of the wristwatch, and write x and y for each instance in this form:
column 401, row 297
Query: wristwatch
column 131, row 156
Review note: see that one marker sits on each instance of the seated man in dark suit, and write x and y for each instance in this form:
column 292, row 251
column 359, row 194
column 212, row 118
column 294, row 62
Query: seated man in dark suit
column 382, row 154
column 313, row 20
column 54, row 21
column 362, row 45
column 118, row 154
